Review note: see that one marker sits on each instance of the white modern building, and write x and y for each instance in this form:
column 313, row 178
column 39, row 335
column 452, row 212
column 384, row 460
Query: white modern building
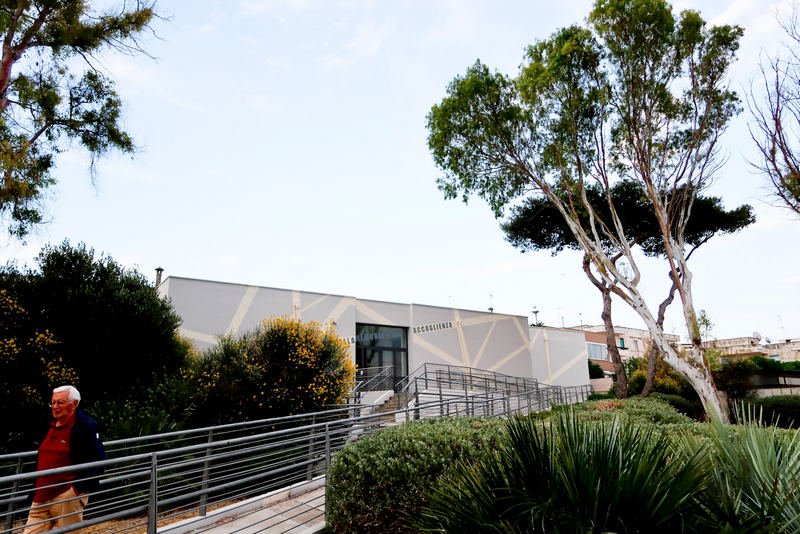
column 403, row 336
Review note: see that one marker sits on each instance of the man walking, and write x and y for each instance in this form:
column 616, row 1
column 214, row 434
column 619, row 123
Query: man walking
column 72, row 439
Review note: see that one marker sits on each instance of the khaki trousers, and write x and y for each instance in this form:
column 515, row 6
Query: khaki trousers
column 65, row 509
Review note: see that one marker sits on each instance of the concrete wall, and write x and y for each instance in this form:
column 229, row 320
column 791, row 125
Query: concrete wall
column 559, row 356
column 490, row 341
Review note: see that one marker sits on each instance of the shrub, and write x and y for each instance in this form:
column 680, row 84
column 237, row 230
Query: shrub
column 635, row 410
column 753, row 478
column 666, row 380
column 734, row 378
column 595, row 371
column 767, row 364
column 602, row 396
column 165, row 407
column 569, row 475
column 283, row 367
column 378, row 483
column 781, row 410
column 30, row 367
column 693, row 409
column 112, row 328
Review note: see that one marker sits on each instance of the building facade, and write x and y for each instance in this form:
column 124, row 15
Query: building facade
column 738, row 348
column 631, row 342
column 402, row 336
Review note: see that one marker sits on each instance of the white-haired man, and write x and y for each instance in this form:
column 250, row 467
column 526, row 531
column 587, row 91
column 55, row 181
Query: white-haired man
column 72, row 439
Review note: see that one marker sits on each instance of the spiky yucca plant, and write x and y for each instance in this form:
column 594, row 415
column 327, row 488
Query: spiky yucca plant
column 754, row 472
column 572, row 475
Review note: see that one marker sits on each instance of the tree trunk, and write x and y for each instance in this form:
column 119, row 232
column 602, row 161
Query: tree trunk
column 613, row 350
column 652, row 354
column 690, row 365
column 611, row 341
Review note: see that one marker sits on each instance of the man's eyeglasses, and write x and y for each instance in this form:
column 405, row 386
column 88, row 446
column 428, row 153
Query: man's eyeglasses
column 58, row 403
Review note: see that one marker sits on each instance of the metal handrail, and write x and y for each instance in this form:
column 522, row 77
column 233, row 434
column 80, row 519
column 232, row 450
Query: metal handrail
column 150, row 487
column 372, row 379
column 491, row 379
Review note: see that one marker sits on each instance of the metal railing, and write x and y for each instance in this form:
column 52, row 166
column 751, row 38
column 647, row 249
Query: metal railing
column 465, row 377
column 372, row 379
column 152, row 481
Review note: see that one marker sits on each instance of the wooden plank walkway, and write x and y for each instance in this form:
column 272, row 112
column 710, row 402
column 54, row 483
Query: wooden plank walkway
column 297, row 509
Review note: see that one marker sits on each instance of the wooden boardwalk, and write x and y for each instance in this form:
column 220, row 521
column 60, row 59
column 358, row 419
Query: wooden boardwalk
column 298, row 509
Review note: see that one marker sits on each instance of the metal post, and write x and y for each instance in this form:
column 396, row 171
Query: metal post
column 508, row 403
column 206, row 474
column 310, row 468
column 152, row 505
column 14, row 489
column 441, row 405
column 327, row 447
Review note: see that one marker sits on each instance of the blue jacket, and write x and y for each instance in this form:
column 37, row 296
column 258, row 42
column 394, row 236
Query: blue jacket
column 85, row 446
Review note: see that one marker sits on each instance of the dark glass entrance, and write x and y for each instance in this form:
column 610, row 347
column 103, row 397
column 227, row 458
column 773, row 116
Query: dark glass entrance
column 383, row 346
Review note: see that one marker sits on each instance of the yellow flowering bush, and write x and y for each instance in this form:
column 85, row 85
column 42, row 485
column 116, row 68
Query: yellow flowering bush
column 284, row 366
column 30, row 367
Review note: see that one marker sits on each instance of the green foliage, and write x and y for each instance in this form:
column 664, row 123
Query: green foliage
column 283, row 367
column 52, row 94
column 602, row 396
column 632, row 465
column 536, row 224
column 767, row 364
column 379, row 483
column 634, row 94
column 734, row 378
column 165, row 406
column 595, row 371
column 30, row 367
column 690, row 408
column 635, row 410
column 780, row 410
column 754, row 476
column 666, row 380
column 112, row 327
column 570, row 475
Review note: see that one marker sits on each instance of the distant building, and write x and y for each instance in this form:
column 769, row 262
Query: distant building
column 631, row 342
column 738, row 348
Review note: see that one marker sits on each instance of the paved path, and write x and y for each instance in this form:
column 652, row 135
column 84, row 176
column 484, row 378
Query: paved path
column 299, row 509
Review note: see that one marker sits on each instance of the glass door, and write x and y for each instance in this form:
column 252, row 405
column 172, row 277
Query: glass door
column 383, row 346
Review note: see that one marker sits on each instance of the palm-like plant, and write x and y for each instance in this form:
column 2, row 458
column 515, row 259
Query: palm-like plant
column 754, row 474
column 572, row 475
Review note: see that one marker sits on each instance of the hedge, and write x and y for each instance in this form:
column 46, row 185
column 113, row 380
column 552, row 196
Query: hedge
column 379, row 482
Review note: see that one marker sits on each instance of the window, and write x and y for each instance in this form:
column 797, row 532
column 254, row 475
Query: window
column 596, row 351
column 622, row 342
column 636, row 344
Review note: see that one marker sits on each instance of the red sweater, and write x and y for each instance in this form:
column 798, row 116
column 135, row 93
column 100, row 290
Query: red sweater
column 53, row 452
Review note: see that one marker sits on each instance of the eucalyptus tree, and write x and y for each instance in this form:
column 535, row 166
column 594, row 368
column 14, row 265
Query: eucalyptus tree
column 53, row 93
column 638, row 94
column 776, row 119
column 536, row 224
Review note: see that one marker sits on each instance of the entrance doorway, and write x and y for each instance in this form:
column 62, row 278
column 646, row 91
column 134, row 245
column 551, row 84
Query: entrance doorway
column 383, row 346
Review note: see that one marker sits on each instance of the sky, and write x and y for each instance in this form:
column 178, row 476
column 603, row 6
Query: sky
column 282, row 143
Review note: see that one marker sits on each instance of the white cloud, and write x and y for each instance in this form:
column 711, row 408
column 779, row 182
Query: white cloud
column 367, row 42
